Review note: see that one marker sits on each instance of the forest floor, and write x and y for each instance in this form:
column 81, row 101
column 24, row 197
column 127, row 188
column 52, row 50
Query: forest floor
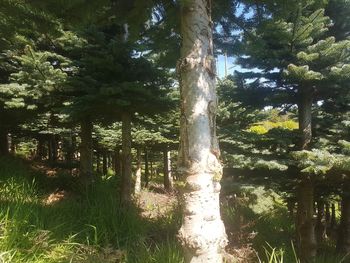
column 47, row 217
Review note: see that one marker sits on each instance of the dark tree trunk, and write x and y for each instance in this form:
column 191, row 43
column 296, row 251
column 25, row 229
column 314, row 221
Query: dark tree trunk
column 343, row 242
column 86, row 160
column 291, row 206
column 69, row 154
column 321, row 223
column 151, row 168
column 40, row 149
column 98, row 163
column 168, row 180
column 333, row 217
column 146, row 169
column 4, row 143
column 104, row 163
column 305, row 225
column 117, row 162
column 126, row 193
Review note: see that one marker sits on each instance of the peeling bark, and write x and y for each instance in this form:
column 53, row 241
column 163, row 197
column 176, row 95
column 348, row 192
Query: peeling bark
column 168, row 179
column 202, row 233
column 86, row 161
column 137, row 189
column 125, row 191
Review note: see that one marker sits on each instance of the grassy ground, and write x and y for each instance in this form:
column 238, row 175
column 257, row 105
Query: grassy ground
column 39, row 223
column 45, row 216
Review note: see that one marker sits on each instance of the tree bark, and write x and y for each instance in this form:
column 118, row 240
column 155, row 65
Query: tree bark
column 168, row 179
column 104, row 163
column 146, row 169
column 333, row 217
column 118, row 162
column 137, row 189
column 305, row 117
column 4, row 143
column 125, row 191
column 202, row 233
column 40, row 149
column 86, row 160
column 305, row 222
column 98, row 163
column 343, row 242
column 321, row 222
column 305, row 225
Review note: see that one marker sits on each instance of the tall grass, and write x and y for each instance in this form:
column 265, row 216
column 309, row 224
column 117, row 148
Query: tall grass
column 88, row 226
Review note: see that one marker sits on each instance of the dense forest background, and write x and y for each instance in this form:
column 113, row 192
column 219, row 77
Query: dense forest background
column 90, row 116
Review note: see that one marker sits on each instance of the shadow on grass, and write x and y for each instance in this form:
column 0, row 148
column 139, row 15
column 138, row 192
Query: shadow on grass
column 89, row 226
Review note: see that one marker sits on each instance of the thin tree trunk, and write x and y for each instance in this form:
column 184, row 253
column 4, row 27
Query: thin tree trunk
column 343, row 242
column 137, row 189
column 168, row 179
column 104, row 163
column 305, row 225
column 118, row 162
column 291, row 206
column 333, row 217
column 98, row 163
column 146, row 169
column 151, row 168
column 4, row 144
column 321, row 222
column 40, row 149
column 202, row 233
column 126, row 193
column 86, row 160
column 328, row 214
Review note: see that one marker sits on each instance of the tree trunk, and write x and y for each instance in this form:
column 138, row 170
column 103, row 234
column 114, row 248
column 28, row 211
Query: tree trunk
column 202, row 233
column 305, row 225
column 305, row 221
column 98, row 163
column 343, row 242
column 104, row 163
column 4, row 143
column 86, row 160
column 137, row 189
column 291, row 206
column 125, row 191
column 333, row 217
column 40, row 149
column 305, row 117
column 168, row 179
column 321, row 223
column 117, row 163
column 146, row 169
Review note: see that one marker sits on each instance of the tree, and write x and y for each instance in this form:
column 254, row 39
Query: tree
column 202, row 233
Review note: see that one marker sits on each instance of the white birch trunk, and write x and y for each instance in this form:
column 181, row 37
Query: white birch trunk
column 202, row 233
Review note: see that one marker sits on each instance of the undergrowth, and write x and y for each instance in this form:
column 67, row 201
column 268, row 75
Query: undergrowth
column 87, row 226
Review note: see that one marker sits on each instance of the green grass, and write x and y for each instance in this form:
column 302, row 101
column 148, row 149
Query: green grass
column 260, row 218
column 89, row 226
